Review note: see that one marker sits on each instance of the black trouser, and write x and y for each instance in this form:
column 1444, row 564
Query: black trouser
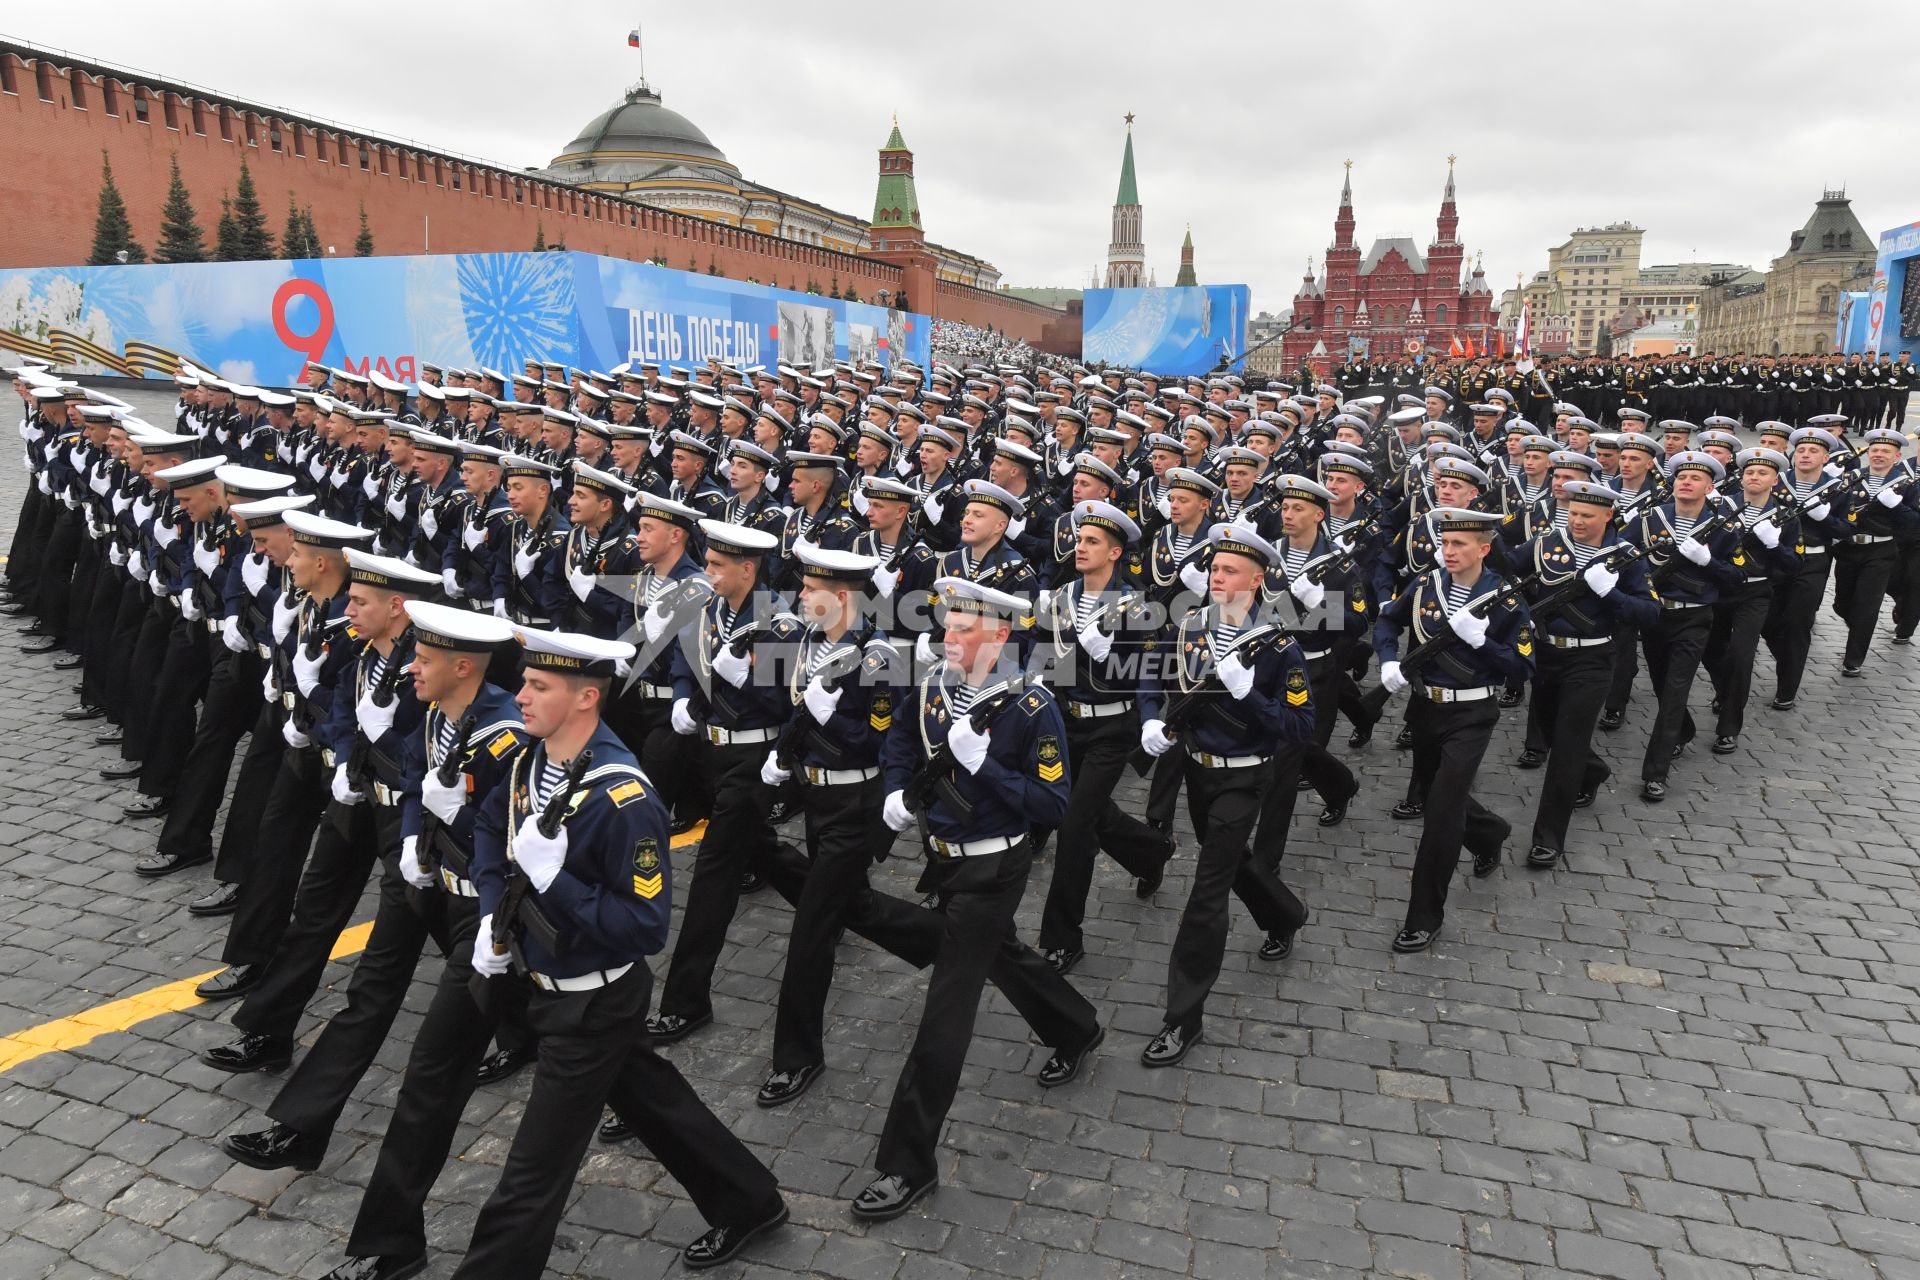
column 96, row 637
column 594, row 1051
column 351, row 839
column 1097, row 753
column 1325, row 772
column 1224, row 805
column 231, row 708
column 1569, row 686
column 252, row 786
column 738, row 838
column 23, row 553
column 1163, row 790
column 1675, row 645
column 1732, row 642
column 1788, row 629
column 280, row 854
column 1449, row 740
column 1860, row 577
column 184, row 673
column 118, row 678
column 1904, row 587
column 87, row 564
column 1626, row 665
column 314, row 1095
column 143, row 677
column 646, row 726
column 57, row 559
column 968, row 939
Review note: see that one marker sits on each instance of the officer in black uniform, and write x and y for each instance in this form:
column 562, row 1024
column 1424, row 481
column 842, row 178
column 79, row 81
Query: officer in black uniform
column 1788, row 629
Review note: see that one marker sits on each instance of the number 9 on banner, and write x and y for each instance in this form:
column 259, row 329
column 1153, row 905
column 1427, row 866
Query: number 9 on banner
column 313, row 345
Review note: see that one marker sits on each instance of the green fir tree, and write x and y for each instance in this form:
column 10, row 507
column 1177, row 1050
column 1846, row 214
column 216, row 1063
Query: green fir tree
column 251, row 238
column 226, row 238
column 181, row 239
column 363, row 243
column 112, row 231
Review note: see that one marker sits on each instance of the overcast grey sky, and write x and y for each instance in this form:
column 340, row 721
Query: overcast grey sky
column 1714, row 126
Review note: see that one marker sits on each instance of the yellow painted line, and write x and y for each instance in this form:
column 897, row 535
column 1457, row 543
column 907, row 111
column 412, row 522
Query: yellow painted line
column 88, row 1025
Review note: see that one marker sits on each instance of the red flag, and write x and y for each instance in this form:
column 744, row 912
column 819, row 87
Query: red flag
column 1458, row 350
column 633, row 38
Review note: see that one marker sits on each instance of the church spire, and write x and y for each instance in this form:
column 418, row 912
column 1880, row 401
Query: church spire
column 1343, row 221
column 1447, row 225
column 1186, row 278
column 1129, row 194
column 1126, row 251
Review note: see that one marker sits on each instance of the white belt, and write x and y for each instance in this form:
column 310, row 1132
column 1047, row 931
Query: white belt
column 739, row 737
column 654, row 690
column 1098, row 710
column 585, row 982
column 1863, row 539
column 1761, row 578
column 456, row 886
column 837, row 777
column 1206, row 761
column 326, row 757
column 212, row 625
column 1680, row 604
column 1436, row 693
column 1814, row 549
column 288, row 700
column 385, row 795
column 972, row 848
column 263, row 651
column 1311, row 654
column 1578, row 642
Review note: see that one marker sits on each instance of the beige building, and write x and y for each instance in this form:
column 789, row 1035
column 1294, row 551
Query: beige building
column 1794, row 307
column 1590, row 271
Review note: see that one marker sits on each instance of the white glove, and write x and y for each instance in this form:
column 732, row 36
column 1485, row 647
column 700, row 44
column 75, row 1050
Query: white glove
column 443, row 803
column 731, row 667
column 230, row 635
column 45, row 484
column 371, row 485
column 894, row 811
column 189, row 607
column 1889, row 497
column 1095, row 643
column 1308, row 592
column 1819, row 513
column 306, row 671
column 1193, row 578
column 821, row 701
column 1695, row 550
column 884, row 581
column 343, row 791
column 654, row 623
column 374, row 719
column 120, row 504
column 1065, row 465
column 485, row 962
column 317, row 469
column 293, row 737
column 137, row 564
column 116, row 557
column 539, row 856
column 1469, row 627
column 1601, row 579
column 397, row 504
column 682, row 718
column 1164, row 506
column 269, row 689
column 98, row 483
column 969, row 746
column 771, row 773
column 936, row 511
column 500, row 609
column 471, row 536
column 1391, row 677
column 410, row 869
column 450, row 583
column 429, row 522
column 1769, row 534
column 523, row 562
column 579, row 582
column 1236, row 675
column 284, row 612
column 1154, row 737
column 165, row 534
column 923, row 649
column 154, row 584
column 253, row 574
column 1016, row 527
column 859, row 501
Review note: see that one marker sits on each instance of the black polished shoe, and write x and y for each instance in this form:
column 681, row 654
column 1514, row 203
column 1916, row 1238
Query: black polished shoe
column 1279, row 945
column 234, row 980
column 1169, row 1046
column 251, row 1052
column 1509, row 697
column 723, row 1244
column 613, row 1129
column 281, row 1147
column 1782, row 704
column 122, row 772
column 1611, row 720
column 1531, row 759
column 681, row 826
column 221, row 902
column 1404, row 739
column 1146, row 886
column 1655, row 791
column 783, row 1087
column 1408, row 941
column 1064, row 1066
column 45, row 644
column 1726, row 744
column 150, row 807
column 72, row 662
column 1336, row 811
column 1851, row 673
column 1541, row 858
column 502, row 1063
column 665, row 1028
column 1360, row 737
column 112, row 738
column 780, row 812
column 1679, row 748
column 1408, row 809
column 1486, row 863
column 1063, row 959
column 15, row 608
column 378, row 1269
column 1584, row 800
column 751, row 882
column 155, row 865
column 1901, row 639
column 889, row 1197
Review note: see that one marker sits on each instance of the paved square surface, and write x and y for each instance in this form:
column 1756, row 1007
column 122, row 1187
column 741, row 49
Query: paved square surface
column 1691, row 1052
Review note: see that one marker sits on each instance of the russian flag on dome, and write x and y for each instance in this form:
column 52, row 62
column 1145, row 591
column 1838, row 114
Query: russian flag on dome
column 633, row 38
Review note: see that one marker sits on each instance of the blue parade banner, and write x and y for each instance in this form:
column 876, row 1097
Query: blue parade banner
column 260, row 322
column 1176, row 331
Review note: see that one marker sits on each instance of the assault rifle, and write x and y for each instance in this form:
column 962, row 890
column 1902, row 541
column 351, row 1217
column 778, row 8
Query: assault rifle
column 1422, row 654
column 515, row 904
column 933, row 780
column 446, row 772
column 1181, row 708
column 360, row 757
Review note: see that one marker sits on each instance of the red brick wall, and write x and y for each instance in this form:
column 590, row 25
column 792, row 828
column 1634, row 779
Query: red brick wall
column 50, row 151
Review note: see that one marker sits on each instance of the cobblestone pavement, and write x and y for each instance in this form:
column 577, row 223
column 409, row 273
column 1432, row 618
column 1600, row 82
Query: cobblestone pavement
column 1692, row 1052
